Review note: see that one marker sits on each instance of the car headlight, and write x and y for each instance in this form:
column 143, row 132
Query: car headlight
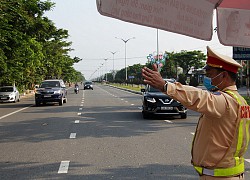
column 12, row 94
column 38, row 92
column 150, row 99
column 57, row 92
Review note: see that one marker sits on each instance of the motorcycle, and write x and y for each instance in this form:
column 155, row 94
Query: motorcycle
column 76, row 89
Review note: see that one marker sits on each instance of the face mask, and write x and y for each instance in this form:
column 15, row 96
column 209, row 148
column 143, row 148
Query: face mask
column 207, row 82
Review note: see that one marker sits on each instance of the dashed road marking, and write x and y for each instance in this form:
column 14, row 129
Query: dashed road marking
column 192, row 133
column 80, row 109
column 247, row 160
column 168, row 121
column 81, row 105
column 132, row 104
column 64, row 166
column 79, row 114
column 77, row 121
column 72, row 135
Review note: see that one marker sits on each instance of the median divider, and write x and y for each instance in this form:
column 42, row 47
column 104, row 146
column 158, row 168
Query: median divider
column 125, row 89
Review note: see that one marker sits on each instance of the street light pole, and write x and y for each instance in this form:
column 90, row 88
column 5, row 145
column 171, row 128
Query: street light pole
column 106, row 68
column 157, row 45
column 125, row 41
column 113, row 64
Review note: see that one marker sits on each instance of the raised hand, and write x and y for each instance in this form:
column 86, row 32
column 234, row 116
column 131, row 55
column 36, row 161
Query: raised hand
column 153, row 77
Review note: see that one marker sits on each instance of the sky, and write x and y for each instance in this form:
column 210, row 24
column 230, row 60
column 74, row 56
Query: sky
column 93, row 38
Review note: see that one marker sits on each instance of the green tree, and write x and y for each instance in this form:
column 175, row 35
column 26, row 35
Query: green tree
column 31, row 47
column 188, row 59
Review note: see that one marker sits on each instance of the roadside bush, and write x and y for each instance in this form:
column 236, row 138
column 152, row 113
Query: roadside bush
column 247, row 98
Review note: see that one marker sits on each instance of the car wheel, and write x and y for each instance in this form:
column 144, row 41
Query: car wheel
column 14, row 100
column 37, row 103
column 184, row 116
column 145, row 115
column 18, row 100
column 61, row 102
column 65, row 100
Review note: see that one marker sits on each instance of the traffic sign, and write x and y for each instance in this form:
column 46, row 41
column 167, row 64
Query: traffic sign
column 241, row 53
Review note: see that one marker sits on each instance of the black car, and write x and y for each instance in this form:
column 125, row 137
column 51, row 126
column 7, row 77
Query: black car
column 88, row 85
column 51, row 91
column 156, row 102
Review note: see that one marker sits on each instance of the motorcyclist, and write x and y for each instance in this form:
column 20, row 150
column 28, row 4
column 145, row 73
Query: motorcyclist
column 76, row 88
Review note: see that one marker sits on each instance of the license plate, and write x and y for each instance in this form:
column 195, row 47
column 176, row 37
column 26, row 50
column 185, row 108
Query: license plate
column 166, row 108
column 3, row 98
column 47, row 96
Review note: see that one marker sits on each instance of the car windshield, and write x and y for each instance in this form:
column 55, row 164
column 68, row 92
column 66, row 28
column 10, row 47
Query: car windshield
column 50, row 84
column 151, row 89
column 88, row 83
column 6, row 89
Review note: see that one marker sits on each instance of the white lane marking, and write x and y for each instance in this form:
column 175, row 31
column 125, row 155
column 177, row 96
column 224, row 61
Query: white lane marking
column 192, row 133
column 15, row 112
column 247, row 160
column 79, row 114
column 126, row 101
column 72, row 135
column 81, row 104
column 168, row 121
column 77, row 121
column 132, row 104
column 80, row 109
column 122, row 99
column 64, row 166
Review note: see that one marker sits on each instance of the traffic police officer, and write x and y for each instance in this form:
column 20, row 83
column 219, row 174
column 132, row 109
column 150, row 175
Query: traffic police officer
column 222, row 132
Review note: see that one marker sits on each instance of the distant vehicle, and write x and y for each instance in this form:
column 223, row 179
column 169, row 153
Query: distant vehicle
column 88, row 85
column 155, row 102
column 53, row 90
column 9, row 94
column 76, row 89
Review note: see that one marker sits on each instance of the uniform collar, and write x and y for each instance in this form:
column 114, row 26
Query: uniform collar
column 232, row 88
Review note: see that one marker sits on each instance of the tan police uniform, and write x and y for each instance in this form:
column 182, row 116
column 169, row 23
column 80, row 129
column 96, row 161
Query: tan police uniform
column 221, row 136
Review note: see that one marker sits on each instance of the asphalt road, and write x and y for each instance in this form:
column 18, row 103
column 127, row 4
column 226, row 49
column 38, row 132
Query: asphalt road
column 97, row 134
